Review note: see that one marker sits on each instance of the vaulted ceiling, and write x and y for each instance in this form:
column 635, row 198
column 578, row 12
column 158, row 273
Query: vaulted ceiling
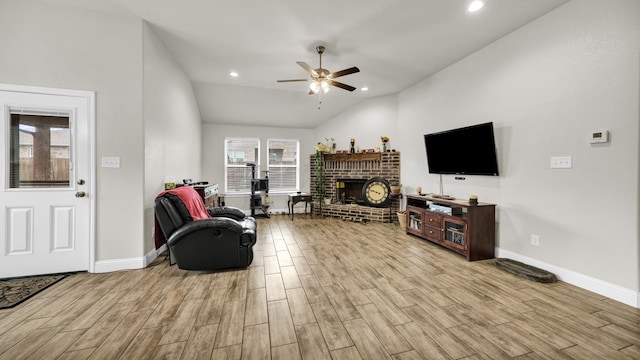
column 394, row 44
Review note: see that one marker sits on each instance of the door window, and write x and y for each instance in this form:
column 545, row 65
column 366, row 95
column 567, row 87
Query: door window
column 39, row 150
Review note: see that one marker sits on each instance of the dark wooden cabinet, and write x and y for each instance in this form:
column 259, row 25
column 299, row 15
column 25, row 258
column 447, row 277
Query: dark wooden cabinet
column 471, row 233
column 209, row 194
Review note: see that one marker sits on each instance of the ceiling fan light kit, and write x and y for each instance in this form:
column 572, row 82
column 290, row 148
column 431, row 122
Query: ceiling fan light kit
column 317, row 85
column 321, row 79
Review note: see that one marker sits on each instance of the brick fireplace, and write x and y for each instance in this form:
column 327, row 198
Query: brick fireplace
column 353, row 170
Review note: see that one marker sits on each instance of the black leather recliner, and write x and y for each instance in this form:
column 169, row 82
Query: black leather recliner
column 207, row 244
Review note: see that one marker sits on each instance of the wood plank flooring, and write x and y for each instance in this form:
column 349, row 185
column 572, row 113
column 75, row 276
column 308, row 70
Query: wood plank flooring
column 321, row 289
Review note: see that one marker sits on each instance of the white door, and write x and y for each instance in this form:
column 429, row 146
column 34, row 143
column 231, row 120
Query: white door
column 46, row 184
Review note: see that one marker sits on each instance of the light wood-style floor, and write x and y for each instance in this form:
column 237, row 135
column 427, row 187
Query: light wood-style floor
column 321, row 289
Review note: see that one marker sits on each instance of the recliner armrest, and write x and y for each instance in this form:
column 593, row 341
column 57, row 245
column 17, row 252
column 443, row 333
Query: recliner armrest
column 227, row 211
column 248, row 237
column 213, row 224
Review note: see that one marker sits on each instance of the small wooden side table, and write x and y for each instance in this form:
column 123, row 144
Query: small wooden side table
column 295, row 198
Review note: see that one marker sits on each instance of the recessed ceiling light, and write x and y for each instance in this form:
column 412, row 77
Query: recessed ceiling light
column 475, row 5
column 233, row 74
column 364, row 89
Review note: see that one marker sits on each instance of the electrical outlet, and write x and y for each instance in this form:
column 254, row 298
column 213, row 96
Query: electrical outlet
column 535, row 240
column 561, row 162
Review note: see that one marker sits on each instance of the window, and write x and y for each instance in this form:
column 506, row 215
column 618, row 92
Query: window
column 283, row 164
column 39, row 151
column 239, row 153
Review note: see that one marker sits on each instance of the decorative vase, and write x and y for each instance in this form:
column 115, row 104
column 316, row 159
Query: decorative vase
column 384, row 147
column 395, row 189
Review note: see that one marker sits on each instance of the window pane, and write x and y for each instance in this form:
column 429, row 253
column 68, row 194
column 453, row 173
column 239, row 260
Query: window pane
column 39, row 151
column 239, row 153
column 282, row 178
column 283, row 165
column 283, row 152
column 239, row 179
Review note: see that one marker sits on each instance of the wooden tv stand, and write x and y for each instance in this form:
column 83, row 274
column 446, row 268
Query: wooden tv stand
column 471, row 233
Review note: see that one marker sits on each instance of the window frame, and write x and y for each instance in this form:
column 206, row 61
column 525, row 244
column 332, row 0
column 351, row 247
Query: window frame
column 296, row 165
column 227, row 166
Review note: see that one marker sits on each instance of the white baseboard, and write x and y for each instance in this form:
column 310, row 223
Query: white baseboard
column 129, row 263
column 153, row 254
column 105, row 266
column 612, row 291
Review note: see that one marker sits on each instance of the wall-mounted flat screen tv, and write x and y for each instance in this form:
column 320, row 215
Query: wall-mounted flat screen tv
column 468, row 150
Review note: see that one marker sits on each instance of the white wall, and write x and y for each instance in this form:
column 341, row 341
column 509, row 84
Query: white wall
column 546, row 87
column 213, row 157
column 236, row 104
column 366, row 123
column 141, row 96
column 51, row 46
column 172, row 126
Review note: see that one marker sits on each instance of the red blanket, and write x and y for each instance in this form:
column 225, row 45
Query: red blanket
column 191, row 200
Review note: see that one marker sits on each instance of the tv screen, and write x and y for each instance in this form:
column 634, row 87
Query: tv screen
column 468, row 150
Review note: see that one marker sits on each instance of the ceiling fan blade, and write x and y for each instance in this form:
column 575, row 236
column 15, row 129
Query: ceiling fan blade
column 292, row 80
column 344, row 72
column 308, row 68
column 341, row 85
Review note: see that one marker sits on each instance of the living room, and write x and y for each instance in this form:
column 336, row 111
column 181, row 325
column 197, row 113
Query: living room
column 546, row 87
column 544, row 92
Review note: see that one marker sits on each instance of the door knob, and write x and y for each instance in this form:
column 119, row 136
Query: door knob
column 80, row 194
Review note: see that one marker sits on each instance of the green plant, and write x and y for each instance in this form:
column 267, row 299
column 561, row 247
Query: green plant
column 320, row 177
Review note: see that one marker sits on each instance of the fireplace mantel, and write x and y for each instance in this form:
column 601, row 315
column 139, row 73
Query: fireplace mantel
column 353, row 157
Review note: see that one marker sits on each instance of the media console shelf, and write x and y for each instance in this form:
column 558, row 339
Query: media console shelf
column 471, row 233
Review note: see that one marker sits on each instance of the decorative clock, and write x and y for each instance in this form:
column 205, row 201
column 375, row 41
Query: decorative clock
column 376, row 192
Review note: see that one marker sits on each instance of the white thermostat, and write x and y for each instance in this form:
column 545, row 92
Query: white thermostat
column 599, row 136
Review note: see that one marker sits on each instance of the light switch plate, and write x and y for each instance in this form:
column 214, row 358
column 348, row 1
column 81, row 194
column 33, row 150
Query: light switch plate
column 561, row 162
column 111, row 162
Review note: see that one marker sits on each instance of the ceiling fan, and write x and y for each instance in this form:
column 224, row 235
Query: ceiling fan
column 321, row 78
